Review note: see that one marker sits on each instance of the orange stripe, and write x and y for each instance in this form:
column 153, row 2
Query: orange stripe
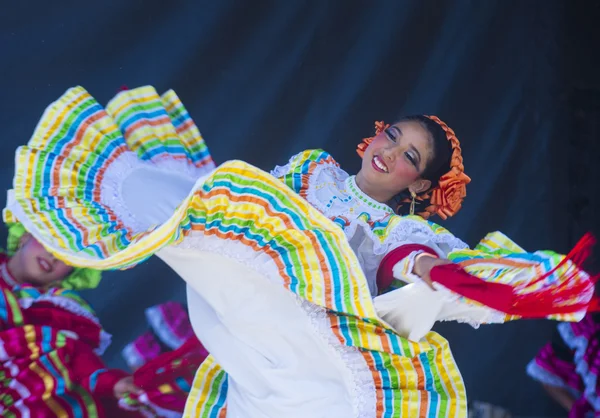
column 377, row 381
column 184, row 126
column 420, row 384
column 252, row 244
column 502, row 261
column 63, row 113
column 162, row 120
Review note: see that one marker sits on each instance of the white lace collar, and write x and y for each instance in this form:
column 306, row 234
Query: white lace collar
column 334, row 193
column 353, row 188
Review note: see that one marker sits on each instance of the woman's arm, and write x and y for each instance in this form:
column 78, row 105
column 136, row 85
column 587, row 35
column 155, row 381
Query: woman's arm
column 561, row 395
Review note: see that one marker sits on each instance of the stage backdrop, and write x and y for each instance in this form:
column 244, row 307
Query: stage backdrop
column 266, row 79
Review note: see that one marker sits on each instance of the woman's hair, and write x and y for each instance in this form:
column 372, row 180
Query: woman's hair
column 442, row 148
column 439, row 164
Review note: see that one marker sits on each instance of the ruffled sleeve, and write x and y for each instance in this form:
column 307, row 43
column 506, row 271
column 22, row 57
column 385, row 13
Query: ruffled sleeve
column 496, row 282
column 400, row 239
column 296, row 172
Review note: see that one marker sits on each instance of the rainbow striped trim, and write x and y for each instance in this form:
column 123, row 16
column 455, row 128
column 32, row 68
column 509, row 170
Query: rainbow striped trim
column 159, row 128
column 209, row 391
column 498, row 259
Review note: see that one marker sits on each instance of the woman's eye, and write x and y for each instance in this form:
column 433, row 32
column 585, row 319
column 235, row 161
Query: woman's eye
column 391, row 135
column 410, row 158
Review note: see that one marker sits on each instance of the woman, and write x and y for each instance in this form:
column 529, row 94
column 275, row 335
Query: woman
column 109, row 188
column 164, row 360
column 567, row 367
column 51, row 339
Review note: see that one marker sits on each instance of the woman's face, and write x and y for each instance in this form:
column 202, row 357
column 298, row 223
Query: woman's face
column 37, row 266
column 395, row 160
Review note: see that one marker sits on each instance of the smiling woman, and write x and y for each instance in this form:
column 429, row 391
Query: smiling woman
column 417, row 151
column 287, row 272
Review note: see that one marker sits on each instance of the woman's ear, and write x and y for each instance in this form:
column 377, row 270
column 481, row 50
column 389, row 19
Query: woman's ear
column 419, row 186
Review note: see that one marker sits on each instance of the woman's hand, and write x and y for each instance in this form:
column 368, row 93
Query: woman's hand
column 125, row 386
column 423, row 265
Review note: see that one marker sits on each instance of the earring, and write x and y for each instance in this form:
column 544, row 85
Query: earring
column 412, row 203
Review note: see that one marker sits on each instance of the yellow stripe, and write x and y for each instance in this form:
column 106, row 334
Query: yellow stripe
column 201, row 388
column 131, row 98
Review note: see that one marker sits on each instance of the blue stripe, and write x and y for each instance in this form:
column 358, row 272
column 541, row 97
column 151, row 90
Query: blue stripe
column 94, row 378
column 386, row 381
column 335, row 268
column 141, row 113
column 46, row 341
column 429, row 386
column 245, row 231
column 61, row 387
column 4, row 307
column 183, row 384
column 220, row 402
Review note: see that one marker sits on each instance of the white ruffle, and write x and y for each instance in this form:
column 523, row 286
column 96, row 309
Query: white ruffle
column 403, row 232
column 61, row 302
column 162, row 329
column 579, row 344
column 132, row 356
column 111, row 188
column 359, row 374
column 281, row 170
column 537, row 372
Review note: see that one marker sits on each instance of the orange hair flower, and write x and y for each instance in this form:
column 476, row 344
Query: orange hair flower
column 446, row 198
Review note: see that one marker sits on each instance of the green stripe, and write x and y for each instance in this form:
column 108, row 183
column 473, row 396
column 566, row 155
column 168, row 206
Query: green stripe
column 215, row 391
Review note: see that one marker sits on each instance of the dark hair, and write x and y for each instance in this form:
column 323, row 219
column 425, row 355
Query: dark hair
column 439, row 164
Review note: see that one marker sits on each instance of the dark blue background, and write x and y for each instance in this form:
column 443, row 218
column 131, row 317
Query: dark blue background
column 265, row 79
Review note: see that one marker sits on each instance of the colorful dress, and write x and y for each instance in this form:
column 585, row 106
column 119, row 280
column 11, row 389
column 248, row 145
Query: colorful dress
column 281, row 269
column 165, row 360
column 50, row 347
column 572, row 361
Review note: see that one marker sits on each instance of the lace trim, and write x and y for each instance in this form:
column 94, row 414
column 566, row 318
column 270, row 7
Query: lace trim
column 538, row 373
column 281, row 170
column 359, row 374
column 353, row 205
column 579, row 344
column 404, row 232
column 111, row 188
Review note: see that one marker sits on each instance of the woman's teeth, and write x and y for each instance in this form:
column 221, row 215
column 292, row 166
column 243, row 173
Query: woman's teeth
column 380, row 163
column 46, row 266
